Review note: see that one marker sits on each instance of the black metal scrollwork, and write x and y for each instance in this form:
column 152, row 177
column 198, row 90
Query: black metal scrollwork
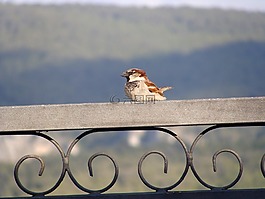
column 214, row 161
column 165, row 163
column 18, row 164
column 262, row 165
column 239, row 162
column 20, row 185
column 116, row 173
column 188, row 154
column 141, row 173
column 116, row 168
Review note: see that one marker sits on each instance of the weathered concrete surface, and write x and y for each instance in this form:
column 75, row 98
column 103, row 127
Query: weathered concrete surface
column 165, row 113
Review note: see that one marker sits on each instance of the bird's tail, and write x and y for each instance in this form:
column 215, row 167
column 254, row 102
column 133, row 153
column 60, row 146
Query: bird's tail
column 163, row 89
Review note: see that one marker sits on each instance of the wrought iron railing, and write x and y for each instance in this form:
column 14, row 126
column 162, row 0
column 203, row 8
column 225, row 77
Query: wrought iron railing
column 94, row 118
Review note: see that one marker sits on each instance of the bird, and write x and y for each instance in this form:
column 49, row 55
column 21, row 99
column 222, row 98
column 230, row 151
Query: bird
column 138, row 85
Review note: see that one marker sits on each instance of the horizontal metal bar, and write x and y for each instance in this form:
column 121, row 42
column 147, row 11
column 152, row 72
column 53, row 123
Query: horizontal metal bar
column 214, row 194
column 106, row 115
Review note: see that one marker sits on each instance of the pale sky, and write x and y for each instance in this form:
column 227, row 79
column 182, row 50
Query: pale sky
column 250, row 5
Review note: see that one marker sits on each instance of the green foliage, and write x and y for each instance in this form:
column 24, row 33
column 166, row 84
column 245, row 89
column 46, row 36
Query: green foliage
column 92, row 32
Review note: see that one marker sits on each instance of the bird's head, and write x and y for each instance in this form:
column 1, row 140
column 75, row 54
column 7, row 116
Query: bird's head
column 134, row 74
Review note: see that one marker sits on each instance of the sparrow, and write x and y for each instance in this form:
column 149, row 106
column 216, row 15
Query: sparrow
column 138, row 84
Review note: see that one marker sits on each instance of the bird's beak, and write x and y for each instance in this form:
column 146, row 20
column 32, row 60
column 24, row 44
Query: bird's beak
column 124, row 74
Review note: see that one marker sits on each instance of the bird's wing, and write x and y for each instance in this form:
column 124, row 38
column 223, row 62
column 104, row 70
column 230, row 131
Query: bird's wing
column 153, row 88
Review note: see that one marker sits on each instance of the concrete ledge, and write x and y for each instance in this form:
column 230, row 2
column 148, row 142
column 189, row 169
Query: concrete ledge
column 165, row 113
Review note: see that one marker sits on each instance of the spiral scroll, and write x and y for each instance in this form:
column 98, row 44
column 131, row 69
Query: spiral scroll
column 116, row 173
column 159, row 189
column 42, row 167
column 239, row 162
column 214, row 161
column 116, row 168
column 20, row 185
column 141, row 173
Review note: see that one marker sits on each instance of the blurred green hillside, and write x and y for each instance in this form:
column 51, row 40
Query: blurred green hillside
column 93, row 32
column 58, row 54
